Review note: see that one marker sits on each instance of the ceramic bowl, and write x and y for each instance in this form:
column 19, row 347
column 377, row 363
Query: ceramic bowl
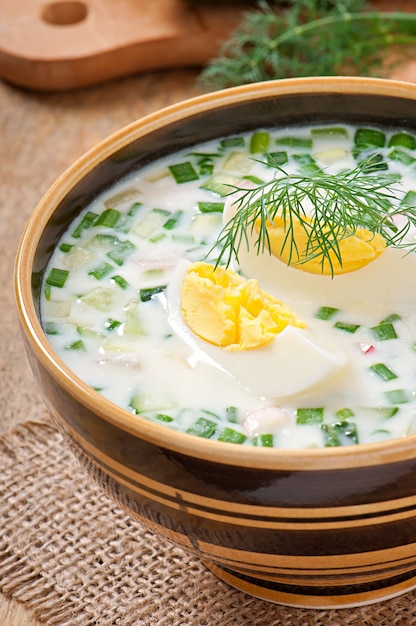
column 319, row 528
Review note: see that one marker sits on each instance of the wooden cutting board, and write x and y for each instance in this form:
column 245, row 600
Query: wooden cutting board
column 65, row 44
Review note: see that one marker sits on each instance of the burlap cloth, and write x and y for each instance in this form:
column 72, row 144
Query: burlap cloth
column 75, row 559
column 69, row 556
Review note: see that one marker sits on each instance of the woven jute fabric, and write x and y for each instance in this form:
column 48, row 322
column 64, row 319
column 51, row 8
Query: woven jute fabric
column 75, row 559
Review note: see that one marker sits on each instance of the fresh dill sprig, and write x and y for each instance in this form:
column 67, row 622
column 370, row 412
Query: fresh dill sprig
column 327, row 207
column 309, row 38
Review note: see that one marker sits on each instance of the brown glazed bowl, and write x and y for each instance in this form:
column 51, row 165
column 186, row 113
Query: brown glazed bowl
column 321, row 528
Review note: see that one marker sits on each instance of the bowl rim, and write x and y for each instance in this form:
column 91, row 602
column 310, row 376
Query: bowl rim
column 388, row 451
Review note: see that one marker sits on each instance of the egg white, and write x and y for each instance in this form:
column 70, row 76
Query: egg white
column 291, row 363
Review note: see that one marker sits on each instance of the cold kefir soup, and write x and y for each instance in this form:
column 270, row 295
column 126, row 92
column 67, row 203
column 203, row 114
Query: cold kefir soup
column 255, row 289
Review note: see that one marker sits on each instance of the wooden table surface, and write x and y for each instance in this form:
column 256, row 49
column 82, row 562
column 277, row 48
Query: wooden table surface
column 41, row 135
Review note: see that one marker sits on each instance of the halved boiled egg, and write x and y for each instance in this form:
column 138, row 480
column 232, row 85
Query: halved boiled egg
column 232, row 324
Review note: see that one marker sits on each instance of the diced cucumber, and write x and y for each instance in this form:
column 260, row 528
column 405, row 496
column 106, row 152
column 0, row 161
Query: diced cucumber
column 122, row 196
column 221, row 184
column 132, row 323
column 101, row 298
column 204, row 223
column 151, row 222
column 238, row 162
column 77, row 257
column 331, row 156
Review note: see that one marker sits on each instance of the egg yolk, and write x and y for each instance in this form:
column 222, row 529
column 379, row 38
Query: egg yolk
column 228, row 311
column 356, row 251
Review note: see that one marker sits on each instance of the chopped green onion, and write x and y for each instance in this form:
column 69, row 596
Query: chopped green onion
column 343, row 414
column 253, row 179
column 409, row 199
column 202, row 428
column 259, row 141
column 369, row 138
column 120, row 281
column 147, row 294
column 232, row 142
column 66, row 247
column 325, row 312
column 162, row 417
column 384, row 331
column 173, row 220
column 108, row 218
column 387, row 411
column 102, row 270
column 307, row 164
column 295, row 142
column 86, row 222
column 329, row 131
column 231, row 413
column 211, row 207
column 57, row 277
column 374, row 163
column 401, row 156
column 404, row 140
column 52, row 328
column 276, row 158
column 394, row 317
column 206, row 168
column 310, row 416
column 183, row 172
column 47, row 292
column 397, row 396
column 76, row 345
column 134, row 209
column 339, row 434
column 229, row 435
column 111, row 324
column 265, row 441
column 345, row 326
column 383, row 371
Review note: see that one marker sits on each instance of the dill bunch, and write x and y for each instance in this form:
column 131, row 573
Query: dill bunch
column 309, row 38
column 328, row 207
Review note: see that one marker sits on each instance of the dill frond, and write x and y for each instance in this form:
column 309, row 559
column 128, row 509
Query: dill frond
column 328, row 207
column 309, row 38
